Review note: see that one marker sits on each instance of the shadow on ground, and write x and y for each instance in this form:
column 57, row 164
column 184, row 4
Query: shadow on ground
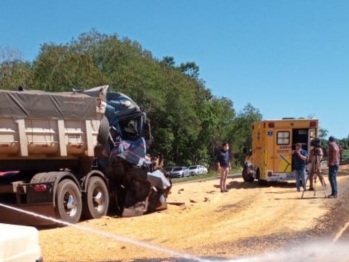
column 198, row 259
column 251, row 185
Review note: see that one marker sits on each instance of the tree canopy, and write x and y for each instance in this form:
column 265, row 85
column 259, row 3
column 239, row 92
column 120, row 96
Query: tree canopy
column 188, row 122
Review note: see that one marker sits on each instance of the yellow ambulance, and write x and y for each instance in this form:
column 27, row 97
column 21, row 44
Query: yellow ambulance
column 270, row 158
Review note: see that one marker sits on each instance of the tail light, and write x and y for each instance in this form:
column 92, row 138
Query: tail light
column 40, row 188
column 270, row 173
column 271, row 124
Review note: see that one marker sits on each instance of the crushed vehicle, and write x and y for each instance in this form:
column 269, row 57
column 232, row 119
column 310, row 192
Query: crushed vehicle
column 76, row 155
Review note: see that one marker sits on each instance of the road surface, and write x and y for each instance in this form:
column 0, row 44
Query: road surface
column 201, row 223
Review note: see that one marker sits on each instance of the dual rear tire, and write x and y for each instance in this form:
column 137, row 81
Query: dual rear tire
column 70, row 205
column 96, row 199
column 68, row 202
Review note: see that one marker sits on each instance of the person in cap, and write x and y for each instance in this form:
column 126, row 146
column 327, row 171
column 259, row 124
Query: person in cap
column 333, row 164
column 299, row 161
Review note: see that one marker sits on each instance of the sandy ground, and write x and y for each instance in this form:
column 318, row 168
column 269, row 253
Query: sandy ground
column 199, row 222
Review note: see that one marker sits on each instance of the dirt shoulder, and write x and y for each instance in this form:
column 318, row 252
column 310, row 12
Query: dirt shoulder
column 199, row 221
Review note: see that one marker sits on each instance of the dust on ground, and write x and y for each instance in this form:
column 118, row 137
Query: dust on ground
column 200, row 221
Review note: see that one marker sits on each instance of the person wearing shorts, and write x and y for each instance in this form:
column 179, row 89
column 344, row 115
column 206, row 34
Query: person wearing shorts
column 223, row 165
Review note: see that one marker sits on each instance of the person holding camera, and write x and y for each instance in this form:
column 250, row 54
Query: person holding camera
column 299, row 161
column 315, row 158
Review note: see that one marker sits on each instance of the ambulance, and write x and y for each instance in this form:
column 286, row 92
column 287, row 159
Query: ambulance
column 270, row 158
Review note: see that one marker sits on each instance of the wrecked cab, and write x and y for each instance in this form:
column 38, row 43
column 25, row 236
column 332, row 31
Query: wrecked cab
column 137, row 182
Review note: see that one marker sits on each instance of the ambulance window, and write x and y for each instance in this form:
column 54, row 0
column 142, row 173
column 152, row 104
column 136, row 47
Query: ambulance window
column 283, row 138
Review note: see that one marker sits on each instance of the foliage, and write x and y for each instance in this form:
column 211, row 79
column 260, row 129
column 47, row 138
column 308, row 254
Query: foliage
column 189, row 124
column 242, row 130
column 14, row 72
column 210, row 175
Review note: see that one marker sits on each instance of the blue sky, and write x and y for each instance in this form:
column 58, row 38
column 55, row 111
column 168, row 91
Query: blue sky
column 286, row 58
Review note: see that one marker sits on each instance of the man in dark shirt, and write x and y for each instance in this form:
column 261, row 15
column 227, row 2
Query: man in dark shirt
column 223, row 165
column 333, row 164
column 299, row 160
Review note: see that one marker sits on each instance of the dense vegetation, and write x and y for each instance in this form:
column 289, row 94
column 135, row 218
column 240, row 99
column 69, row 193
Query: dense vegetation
column 188, row 122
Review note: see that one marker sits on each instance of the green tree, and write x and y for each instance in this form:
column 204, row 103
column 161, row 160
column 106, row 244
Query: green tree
column 189, row 124
column 14, row 72
column 242, row 130
column 64, row 67
column 221, row 119
column 323, row 133
column 190, row 69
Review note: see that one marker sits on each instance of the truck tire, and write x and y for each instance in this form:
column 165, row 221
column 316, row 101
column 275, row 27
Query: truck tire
column 96, row 200
column 103, row 131
column 247, row 174
column 68, row 201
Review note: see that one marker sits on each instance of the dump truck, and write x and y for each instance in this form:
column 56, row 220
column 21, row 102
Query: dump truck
column 76, row 155
column 270, row 157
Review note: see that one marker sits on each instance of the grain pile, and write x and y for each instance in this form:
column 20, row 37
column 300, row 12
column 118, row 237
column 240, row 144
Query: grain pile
column 201, row 222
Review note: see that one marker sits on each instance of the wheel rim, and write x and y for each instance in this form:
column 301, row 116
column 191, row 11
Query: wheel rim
column 69, row 201
column 98, row 199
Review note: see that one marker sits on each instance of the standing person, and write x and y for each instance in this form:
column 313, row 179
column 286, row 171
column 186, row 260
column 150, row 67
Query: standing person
column 333, row 164
column 223, row 165
column 299, row 160
column 314, row 160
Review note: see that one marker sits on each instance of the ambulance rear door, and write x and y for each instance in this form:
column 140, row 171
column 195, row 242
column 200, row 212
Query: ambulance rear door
column 283, row 147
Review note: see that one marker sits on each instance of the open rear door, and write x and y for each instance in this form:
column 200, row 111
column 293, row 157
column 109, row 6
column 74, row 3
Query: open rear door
column 282, row 163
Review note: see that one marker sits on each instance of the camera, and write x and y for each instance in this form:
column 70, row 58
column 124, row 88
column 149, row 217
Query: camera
column 315, row 142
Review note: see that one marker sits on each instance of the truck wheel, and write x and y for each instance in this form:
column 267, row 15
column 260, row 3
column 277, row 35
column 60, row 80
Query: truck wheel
column 246, row 173
column 103, row 131
column 96, row 201
column 68, row 201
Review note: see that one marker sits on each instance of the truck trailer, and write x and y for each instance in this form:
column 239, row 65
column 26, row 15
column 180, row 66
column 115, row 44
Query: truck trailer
column 73, row 155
